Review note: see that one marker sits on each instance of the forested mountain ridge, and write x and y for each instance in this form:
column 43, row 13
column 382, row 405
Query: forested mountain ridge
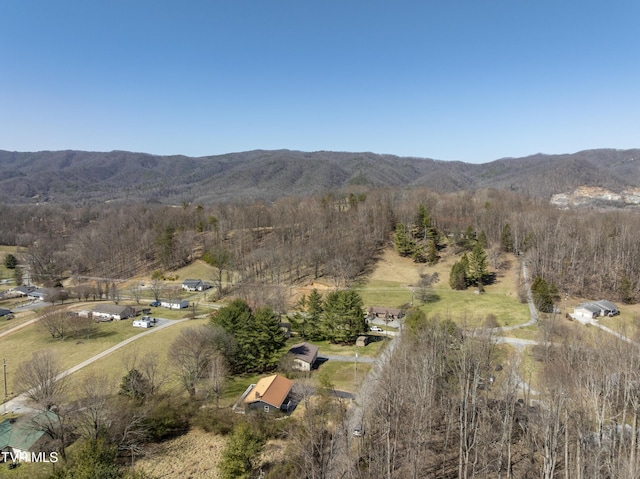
column 86, row 177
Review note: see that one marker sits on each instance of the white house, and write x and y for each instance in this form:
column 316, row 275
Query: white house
column 174, row 303
column 110, row 312
column 195, row 285
column 586, row 311
column 304, row 356
column 592, row 310
column 22, row 290
column 37, row 294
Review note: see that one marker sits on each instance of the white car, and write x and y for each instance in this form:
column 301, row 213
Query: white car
column 377, row 329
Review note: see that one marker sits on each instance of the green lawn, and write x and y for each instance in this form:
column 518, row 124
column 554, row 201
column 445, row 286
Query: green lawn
column 19, row 318
column 471, row 308
column 391, row 294
column 114, row 366
column 29, row 470
column 328, row 349
column 21, row 345
column 343, row 376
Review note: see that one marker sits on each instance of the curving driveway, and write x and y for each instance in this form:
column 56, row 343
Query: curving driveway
column 19, row 404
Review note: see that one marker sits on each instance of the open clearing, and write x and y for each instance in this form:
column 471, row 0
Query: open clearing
column 194, row 455
column 393, row 284
column 113, row 367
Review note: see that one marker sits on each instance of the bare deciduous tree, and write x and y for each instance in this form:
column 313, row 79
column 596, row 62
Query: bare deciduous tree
column 54, row 320
column 39, row 378
column 218, row 372
column 92, row 416
column 190, row 355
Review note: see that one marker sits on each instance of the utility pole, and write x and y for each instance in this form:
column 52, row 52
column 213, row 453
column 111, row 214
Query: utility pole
column 4, row 367
column 355, row 370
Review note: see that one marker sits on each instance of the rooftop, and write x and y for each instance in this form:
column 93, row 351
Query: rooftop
column 272, row 390
column 305, row 352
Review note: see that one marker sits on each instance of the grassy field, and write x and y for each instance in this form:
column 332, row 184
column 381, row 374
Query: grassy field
column 19, row 318
column 69, row 351
column 370, row 350
column 113, row 367
column 34, row 470
column 394, row 278
column 6, row 275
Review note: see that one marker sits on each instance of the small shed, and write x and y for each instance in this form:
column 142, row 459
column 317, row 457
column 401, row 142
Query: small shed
column 304, row 355
column 363, row 341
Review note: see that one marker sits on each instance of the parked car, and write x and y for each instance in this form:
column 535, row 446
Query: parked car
column 377, row 329
column 358, row 431
column 155, row 304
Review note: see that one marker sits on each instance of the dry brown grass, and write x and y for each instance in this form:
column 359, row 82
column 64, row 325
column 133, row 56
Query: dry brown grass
column 194, row 455
column 392, row 267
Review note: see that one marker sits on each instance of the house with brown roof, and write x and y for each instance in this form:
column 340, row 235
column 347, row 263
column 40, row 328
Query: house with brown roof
column 269, row 394
column 304, row 355
column 386, row 313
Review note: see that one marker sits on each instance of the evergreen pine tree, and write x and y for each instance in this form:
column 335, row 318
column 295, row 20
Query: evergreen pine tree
column 313, row 329
column 404, row 245
column 506, row 238
column 477, row 266
column 422, row 222
column 458, row 276
column 343, row 316
column 10, row 261
column 257, row 335
column 432, row 251
column 542, row 295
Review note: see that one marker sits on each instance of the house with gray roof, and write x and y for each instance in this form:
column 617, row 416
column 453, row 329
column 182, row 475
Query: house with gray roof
column 304, row 355
column 607, row 308
column 110, row 312
column 22, row 290
column 195, row 285
column 593, row 309
column 586, row 311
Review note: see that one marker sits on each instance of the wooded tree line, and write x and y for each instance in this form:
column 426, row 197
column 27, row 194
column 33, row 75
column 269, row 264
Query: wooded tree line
column 582, row 253
column 451, row 405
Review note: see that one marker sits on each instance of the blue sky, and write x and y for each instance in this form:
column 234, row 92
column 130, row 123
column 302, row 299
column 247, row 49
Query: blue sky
column 472, row 80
